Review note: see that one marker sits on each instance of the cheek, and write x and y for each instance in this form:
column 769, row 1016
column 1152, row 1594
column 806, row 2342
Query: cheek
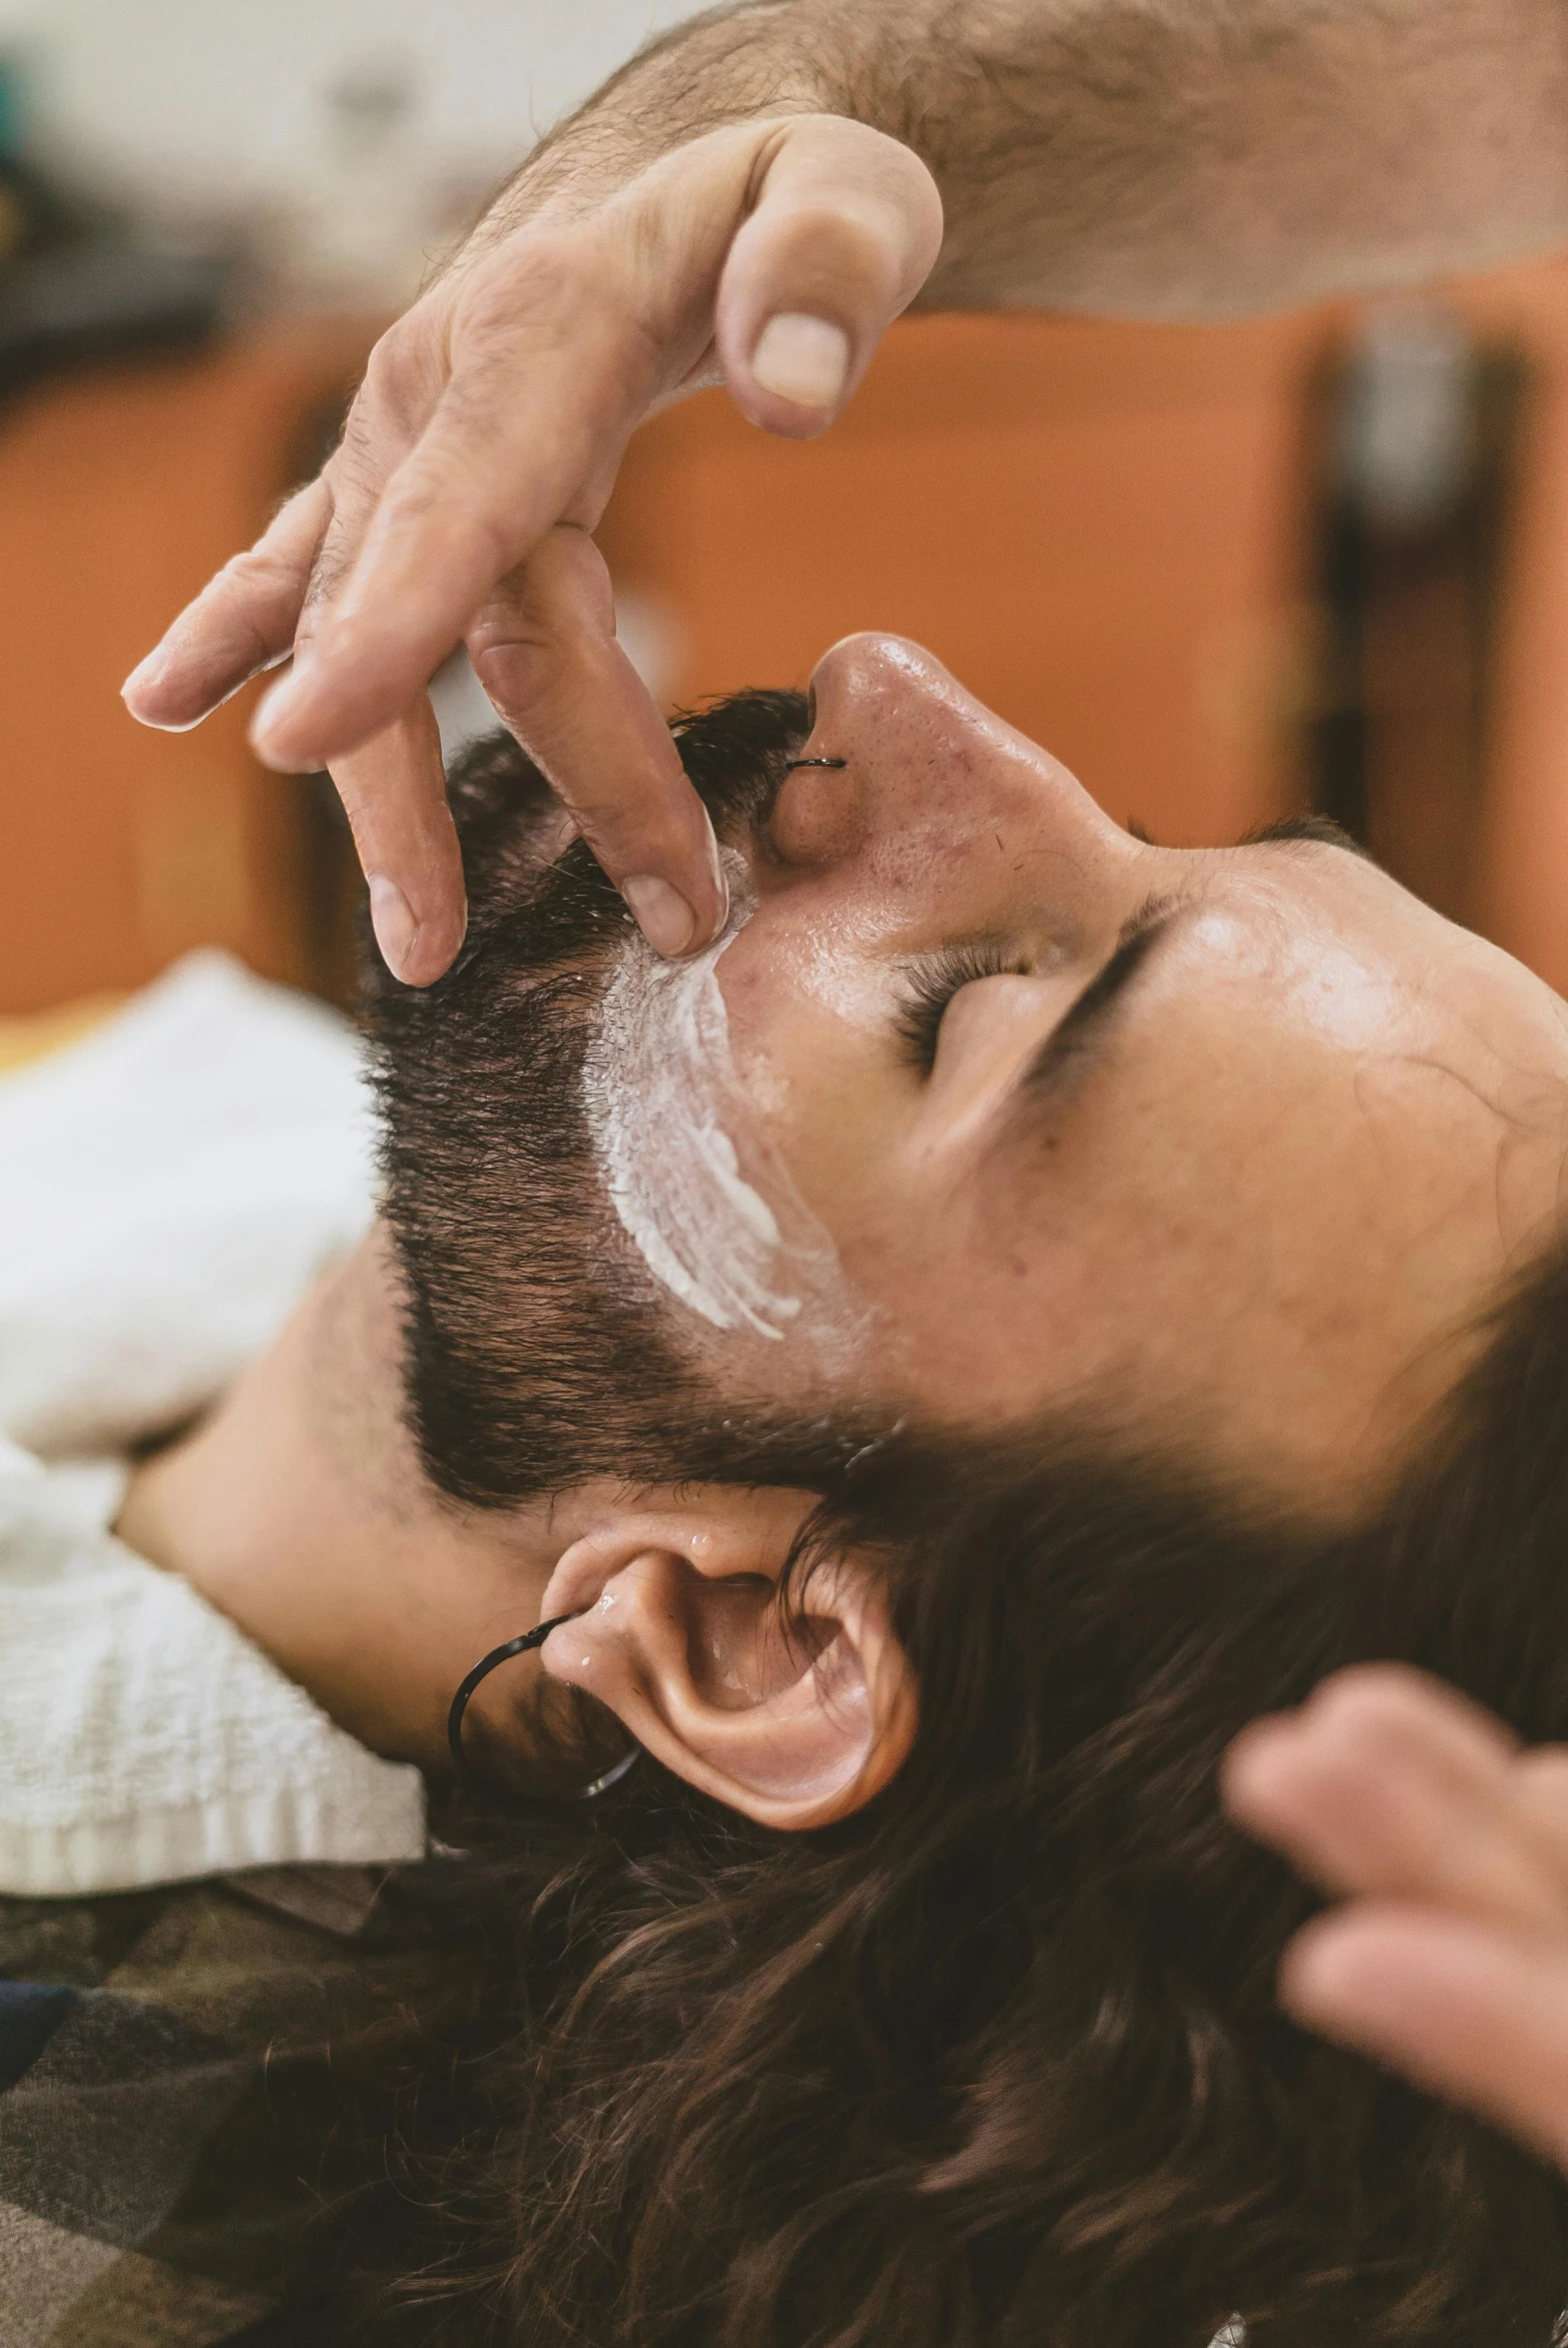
column 1255, row 1201
column 984, row 1294
column 821, row 1096
column 1122, row 1247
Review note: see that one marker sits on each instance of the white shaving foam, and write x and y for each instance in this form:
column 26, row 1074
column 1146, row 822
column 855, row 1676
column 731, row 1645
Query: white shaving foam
column 662, row 1092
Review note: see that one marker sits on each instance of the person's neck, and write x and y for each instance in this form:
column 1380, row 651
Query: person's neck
column 299, row 1508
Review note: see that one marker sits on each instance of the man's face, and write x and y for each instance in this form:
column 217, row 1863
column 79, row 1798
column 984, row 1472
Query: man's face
column 1217, row 1145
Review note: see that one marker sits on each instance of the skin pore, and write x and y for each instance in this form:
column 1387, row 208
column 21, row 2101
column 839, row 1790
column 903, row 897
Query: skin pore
column 1230, row 1148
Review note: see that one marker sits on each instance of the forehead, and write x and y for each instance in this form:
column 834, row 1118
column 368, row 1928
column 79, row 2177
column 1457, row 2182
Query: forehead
column 1331, row 941
column 1319, row 1070
column 1311, row 927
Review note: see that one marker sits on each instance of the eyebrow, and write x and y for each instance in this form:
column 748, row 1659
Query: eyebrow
column 1322, row 831
column 1086, row 1022
column 1087, row 1018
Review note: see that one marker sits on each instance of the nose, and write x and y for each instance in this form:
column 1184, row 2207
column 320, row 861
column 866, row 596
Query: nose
column 931, row 778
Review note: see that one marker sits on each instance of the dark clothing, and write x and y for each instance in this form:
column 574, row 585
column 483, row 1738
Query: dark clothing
column 197, row 2087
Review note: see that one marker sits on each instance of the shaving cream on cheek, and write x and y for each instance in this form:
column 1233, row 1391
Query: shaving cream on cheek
column 662, row 1096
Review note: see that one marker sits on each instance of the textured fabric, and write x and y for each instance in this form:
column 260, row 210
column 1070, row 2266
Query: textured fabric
column 168, row 1188
column 188, row 2124
column 193, row 2079
column 146, row 1739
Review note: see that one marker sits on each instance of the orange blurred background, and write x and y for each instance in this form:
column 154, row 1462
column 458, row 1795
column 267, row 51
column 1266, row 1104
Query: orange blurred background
column 1105, row 531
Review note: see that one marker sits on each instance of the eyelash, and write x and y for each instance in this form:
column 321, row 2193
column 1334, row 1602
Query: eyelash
column 929, row 987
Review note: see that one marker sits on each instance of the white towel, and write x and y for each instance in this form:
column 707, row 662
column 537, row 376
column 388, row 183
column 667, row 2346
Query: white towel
column 168, row 1189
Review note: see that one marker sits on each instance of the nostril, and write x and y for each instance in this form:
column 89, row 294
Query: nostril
column 817, row 818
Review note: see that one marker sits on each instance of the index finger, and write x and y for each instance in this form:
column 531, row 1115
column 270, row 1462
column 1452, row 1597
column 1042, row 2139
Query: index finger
column 241, row 622
column 545, row 649
column 517, row 438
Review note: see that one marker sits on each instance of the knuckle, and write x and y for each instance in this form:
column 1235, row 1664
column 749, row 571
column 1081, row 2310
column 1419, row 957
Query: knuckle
column 560, row 293
column 634, row 834
column 260, row 573
column 404, row 377
column 1368, row 1707
column 386, row 371
column 437, row 487
column 561, row 596
column 1374, row 1688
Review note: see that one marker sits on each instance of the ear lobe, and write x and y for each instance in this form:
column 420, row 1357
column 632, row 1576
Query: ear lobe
column 675, row 1627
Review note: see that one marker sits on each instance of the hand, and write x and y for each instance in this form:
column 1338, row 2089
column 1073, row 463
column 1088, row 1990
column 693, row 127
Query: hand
column 1448, row 1843
column 480, row 454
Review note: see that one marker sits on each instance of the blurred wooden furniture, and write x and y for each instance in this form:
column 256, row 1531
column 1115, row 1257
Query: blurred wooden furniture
column 121, row 492
column 1521, row 888
column 1094, row 527
column 1105, row 531
column 1101, row 529
column 28, row 1037
column 1416, row 478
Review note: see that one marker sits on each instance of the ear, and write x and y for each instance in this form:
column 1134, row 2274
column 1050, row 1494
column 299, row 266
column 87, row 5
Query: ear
column 677, row 1628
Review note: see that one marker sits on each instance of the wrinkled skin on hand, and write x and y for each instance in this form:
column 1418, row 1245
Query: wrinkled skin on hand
column 477, row 458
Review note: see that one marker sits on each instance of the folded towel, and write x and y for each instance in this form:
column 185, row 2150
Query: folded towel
column 168, row 1189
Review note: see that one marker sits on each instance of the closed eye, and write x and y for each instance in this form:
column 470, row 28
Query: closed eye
column 930, row 981
column 1087, row 1016
column 1085, row 1024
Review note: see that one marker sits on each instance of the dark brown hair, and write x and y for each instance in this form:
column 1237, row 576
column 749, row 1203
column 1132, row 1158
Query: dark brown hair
column 1000, row 2061
column 997, row 2061
column 539, row 1352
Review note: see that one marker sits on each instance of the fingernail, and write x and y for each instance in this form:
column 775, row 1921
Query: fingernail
column 392, row 919
column 661, row 913
column 801, row 358
column 721, row 876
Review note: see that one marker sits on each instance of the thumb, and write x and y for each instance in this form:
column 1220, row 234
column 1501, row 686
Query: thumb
column 844, row 229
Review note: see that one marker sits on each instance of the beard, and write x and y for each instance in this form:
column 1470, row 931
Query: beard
column 538, row 1351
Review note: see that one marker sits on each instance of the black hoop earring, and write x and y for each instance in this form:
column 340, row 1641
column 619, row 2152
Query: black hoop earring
column 793, row 762
column 482, row 1671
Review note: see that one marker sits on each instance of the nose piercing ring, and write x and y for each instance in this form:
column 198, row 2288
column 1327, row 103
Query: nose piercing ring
column 816, row 762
